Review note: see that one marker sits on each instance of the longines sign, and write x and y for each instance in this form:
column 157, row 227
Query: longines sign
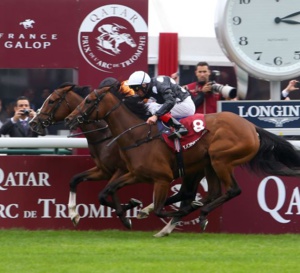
column 279, row 116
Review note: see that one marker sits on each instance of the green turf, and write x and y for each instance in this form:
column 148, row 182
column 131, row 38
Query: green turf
column 138, row 252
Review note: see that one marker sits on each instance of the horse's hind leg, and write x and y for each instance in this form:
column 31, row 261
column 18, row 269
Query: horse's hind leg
column 186, row 195
column 231, row 191
column 214, row 191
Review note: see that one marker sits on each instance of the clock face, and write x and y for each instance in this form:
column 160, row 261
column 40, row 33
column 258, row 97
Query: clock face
column 261, row 36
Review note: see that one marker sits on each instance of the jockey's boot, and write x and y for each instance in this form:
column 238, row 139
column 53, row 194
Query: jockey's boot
column 180, row 130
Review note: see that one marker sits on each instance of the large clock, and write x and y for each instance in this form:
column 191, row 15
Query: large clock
column 261, row 36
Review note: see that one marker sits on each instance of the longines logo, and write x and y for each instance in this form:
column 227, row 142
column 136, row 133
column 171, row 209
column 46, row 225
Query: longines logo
column 277, row 114
column 112, row 36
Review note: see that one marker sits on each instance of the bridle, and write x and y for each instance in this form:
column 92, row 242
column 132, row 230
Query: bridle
column 50, row 120
column 84, row 116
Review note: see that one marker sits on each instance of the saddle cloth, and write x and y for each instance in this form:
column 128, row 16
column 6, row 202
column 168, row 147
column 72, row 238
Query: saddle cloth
column 196, row 127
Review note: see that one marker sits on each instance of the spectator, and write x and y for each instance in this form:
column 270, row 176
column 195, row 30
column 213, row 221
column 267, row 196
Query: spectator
column 46, row 92
column 8, row 110
column 293, row 85
column 175, row 77
column 30, row 94
column 205, row 100
column 1, row 112
column 18, row 126
column 167, row 100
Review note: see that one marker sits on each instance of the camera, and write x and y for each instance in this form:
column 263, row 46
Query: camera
column 227, row 92
column 26, row 112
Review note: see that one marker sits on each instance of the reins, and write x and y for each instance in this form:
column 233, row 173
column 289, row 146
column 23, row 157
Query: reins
column 91, row 131
column 87, row 132
column 138, row 142
column 84, row 117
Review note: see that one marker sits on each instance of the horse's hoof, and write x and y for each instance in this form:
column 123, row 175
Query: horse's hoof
column 203, row 224
column 142, row 215
column 134, row 202
column 126, row 222
column 161, row 234
column 175, row 220
column 196, row 204
column 75, row 220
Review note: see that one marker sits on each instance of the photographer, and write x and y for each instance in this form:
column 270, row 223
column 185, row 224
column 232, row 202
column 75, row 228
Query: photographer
column 292, row 86
column 206, row 91
column 18, row 126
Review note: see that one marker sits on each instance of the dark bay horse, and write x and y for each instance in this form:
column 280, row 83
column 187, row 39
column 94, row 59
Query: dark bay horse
column 230, row 141
column 109, row 164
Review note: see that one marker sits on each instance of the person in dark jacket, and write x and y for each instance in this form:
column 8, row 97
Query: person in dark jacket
column 18, row 126
column 166, row 100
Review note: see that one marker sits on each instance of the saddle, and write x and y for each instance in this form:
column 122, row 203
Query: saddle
column 196, row 126
column 196, row 130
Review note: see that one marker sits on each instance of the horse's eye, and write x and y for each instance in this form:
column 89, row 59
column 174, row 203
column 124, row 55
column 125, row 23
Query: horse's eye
column 87, row 101
column 50, row 102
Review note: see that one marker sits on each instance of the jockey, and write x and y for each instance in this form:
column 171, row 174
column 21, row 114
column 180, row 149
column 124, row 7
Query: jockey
column 165, row 99
column 113, row 83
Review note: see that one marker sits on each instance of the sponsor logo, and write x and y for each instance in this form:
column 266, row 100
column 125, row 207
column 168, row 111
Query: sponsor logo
column 112, row 36
column 50, row 209
column 277, row 211
column 27, row 40
column 23, row 179
column 277, row 114
column 28, row 23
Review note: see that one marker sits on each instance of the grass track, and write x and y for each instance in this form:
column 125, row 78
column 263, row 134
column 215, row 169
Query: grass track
column 114, row 251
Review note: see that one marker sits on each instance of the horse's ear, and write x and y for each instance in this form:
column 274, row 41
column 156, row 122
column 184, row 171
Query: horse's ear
column 82, row 91
column 108, row 82
column 65, row 84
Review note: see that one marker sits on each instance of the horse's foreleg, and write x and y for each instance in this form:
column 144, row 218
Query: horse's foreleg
column 89, row 175
column 111, row 189
column 72, row 209
column 168, row 228
column 144, row 213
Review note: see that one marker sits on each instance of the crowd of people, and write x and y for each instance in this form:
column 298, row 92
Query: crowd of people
column 167, row 100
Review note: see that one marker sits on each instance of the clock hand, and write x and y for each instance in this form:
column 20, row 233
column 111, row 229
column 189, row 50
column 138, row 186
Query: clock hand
column 292, row 22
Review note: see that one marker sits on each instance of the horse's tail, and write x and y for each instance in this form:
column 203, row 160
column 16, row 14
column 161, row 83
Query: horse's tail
column 276, row 156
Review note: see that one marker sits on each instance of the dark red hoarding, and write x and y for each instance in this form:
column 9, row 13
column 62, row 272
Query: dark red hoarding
column 34, row 194
column 96, row 38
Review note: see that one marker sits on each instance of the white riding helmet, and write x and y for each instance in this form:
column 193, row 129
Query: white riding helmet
column 138, row 78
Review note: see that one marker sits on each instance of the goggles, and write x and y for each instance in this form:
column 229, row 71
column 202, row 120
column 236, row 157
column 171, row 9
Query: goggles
column 135, row 87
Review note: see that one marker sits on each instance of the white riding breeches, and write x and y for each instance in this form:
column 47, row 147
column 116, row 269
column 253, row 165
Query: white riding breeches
column 180, row 110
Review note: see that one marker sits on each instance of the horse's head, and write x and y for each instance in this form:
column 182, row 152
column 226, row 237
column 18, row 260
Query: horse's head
column 128, row 39
column 91, row 108
column 57, row 106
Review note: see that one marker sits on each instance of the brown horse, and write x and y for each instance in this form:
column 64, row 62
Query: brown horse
column 230, row 141
column 109, row 164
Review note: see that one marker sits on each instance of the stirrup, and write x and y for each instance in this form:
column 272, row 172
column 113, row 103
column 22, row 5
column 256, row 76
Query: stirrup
column 177, row 134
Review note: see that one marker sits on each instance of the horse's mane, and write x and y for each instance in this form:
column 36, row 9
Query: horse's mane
column 82, row 91
column 133, row 103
